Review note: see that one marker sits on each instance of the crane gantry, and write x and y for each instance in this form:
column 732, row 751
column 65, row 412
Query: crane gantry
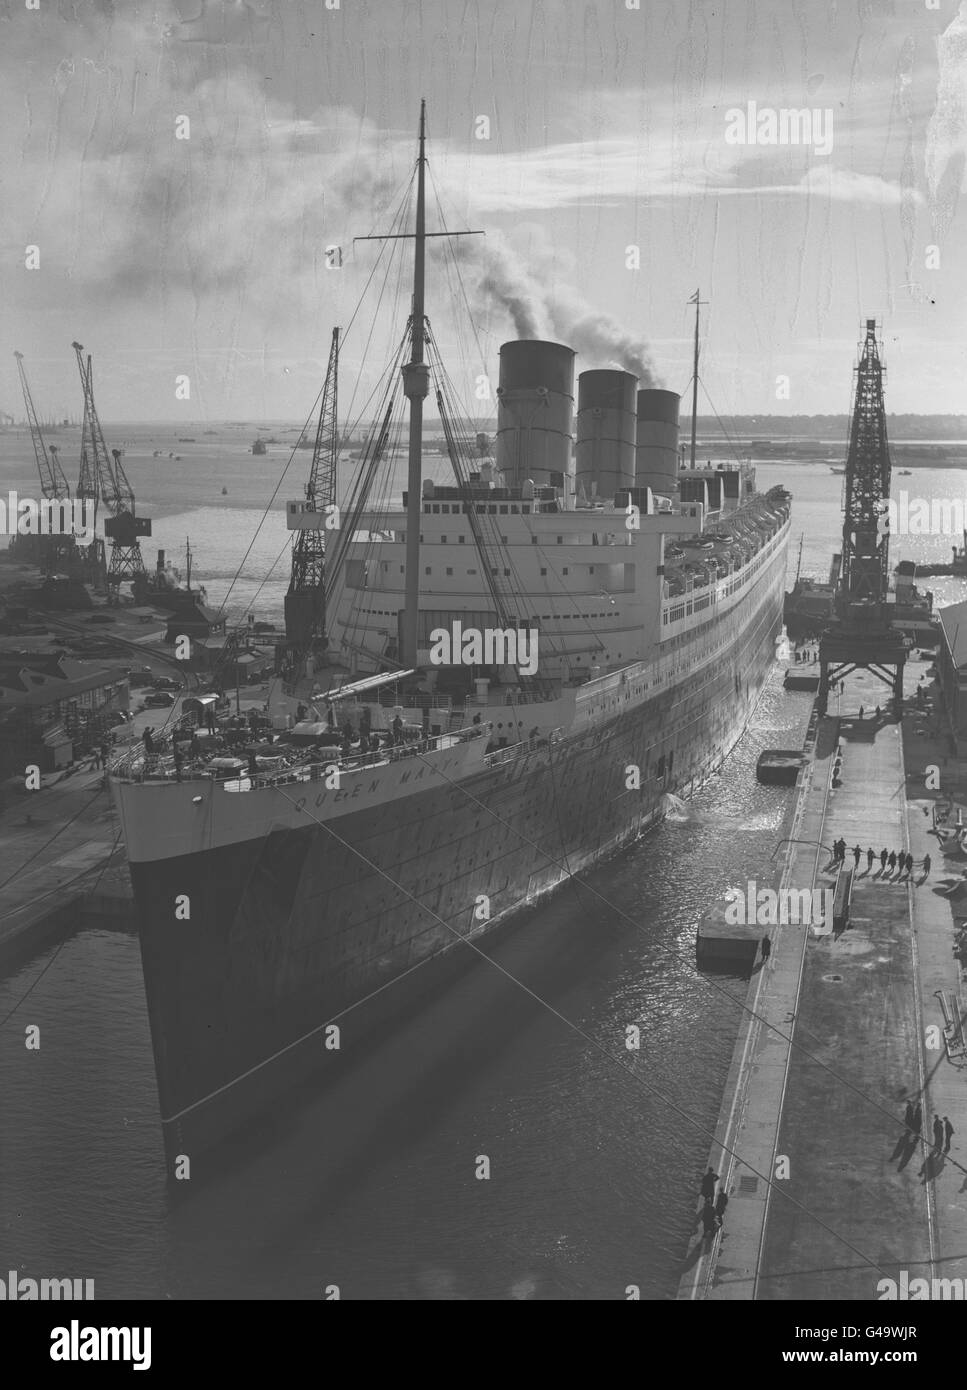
column 305, row 599
column 860, row 634
column 103, row 480
column 56, row 547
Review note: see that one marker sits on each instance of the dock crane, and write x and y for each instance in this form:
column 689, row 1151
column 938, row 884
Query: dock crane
column 305, row 600
column 53, row 483
column 54, row 549
column 860, row 634
column 102, row 477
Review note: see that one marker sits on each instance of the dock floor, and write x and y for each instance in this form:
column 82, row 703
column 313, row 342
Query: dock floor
column 828, row 1194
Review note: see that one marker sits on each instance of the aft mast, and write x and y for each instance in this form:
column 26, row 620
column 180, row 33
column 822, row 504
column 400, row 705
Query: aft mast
column 696, row 300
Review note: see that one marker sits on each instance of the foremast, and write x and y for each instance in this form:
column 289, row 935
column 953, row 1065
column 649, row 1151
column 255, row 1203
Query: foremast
column 416, row 384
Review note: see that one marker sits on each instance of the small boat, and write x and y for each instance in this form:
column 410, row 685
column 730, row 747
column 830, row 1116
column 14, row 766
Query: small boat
column 837, row 468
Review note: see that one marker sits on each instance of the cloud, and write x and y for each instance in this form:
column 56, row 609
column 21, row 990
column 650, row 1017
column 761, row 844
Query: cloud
column 846, row 186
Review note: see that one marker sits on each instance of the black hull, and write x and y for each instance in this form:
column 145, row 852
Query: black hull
column 349, row 924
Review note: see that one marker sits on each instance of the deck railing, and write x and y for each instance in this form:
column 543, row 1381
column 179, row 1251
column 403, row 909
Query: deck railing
column 159, row 766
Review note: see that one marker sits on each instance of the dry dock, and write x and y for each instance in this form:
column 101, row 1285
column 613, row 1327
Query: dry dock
column 828, row 1194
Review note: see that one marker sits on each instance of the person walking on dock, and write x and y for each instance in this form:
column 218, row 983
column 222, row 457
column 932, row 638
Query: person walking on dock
column 883, row 857
column 709, row 1222
column 708, row 1186
column 765, row 945
column 918, row 1119
column 892, row 860
column 861, row 711
column 857, row 852
column 948, row 1130
column 926, row 868
column 870, row 856
column 721, row 1202
column 910, row 865
column 908, row 1118
column 938, row 1133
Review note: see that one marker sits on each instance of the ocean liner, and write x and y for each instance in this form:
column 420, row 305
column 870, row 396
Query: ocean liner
column 287, row 909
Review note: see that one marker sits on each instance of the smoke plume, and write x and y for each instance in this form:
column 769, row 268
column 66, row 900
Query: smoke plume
column 534, row 288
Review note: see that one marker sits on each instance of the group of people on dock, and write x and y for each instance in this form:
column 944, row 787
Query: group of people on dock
column 889, row 859
column 943, row 1130
column 713, row 1208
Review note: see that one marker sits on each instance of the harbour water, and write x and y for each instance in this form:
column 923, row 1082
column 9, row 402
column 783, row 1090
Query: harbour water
column 594, row 1159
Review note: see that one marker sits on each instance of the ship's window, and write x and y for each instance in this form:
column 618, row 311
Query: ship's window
column 428, row 570
column 506, row 574
column 590, row 569
column 515, row 511
column 533, row 540
column 503, row 540
column 544, row 572
column 481, row 511
column 492, row 510
column 426, row 508
column 449, row 571
column 462, row 539
column 526, row 509
column 565, row 570
column 443, row 540
column 503, row 511
column 560, row 540
column 436, row 509
column 402, row 569
column 493, row 570
column 471, row 571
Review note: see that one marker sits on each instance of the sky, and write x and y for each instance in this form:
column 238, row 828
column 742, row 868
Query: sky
column 181, row 166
